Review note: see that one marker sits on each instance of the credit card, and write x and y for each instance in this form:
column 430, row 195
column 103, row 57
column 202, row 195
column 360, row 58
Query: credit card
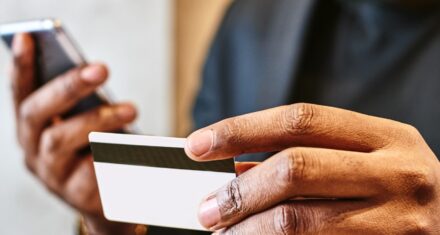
column 150, row 180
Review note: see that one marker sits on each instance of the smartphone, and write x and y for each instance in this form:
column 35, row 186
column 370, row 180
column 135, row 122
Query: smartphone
column 55, row 54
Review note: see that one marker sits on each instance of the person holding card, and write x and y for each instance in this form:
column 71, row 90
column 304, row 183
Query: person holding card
column 368, row 166
column 331, row 170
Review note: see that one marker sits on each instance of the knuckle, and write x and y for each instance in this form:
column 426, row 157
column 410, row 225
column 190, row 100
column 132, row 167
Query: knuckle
column 419, row 184
column 231, row 201
column 417, row 178
column 420, row 225
column 412, row 129
column 49, row 180
column 26, row 113
column 48, row 162
column 232, row 133
column 287, row 221
column 106, row 116
column 424, row 187
column 51, row 184
column 412, row 134
column 83, row 197
column 50, row 141
column 69, row 86
column 298, row 118
column 292, row 168
column 82, row 192
column 103, row 118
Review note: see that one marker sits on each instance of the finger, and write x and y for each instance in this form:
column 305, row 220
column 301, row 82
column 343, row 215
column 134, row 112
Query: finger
column 61, row 94
column 296, row 218
column 292, row 173
column 80, row 189
column 275, row 129
column 22, row 68
column 72, row 134
column 55, row 98
column 61, row 143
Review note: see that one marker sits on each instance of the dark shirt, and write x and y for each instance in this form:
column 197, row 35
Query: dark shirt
column 371, row 57
column 365, row 56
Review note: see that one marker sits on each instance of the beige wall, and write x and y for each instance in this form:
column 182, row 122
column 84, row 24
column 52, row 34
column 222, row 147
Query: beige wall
column 195, row 23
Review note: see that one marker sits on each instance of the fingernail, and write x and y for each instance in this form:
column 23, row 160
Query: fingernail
column 201, row 142
column 94, row 74
column 126, row 112
column 209, row 213
column 18, row 45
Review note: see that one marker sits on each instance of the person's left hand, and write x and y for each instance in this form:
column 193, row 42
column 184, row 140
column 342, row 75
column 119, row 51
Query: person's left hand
column 337, row 172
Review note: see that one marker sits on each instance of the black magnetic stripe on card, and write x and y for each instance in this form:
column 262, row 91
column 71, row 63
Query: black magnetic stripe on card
column 153, row 156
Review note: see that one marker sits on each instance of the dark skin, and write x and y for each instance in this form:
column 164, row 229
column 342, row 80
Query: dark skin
column 348, row 173
column 337, row 172
column 51, row 144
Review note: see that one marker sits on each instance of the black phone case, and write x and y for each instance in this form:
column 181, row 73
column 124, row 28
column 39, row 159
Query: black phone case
column 52, row 61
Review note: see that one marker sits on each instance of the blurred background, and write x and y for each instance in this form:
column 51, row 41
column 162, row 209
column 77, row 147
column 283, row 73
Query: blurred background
column 154, row 49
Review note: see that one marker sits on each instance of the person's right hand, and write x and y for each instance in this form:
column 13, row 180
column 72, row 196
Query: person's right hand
column 50, row 144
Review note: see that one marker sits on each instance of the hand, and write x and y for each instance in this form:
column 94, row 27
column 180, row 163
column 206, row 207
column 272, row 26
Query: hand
column 337, row 172
column 51, row 145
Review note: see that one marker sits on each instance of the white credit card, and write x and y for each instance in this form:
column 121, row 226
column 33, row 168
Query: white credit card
column 150, row 180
